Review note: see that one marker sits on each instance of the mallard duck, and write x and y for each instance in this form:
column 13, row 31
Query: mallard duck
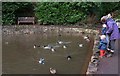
column 52, row 71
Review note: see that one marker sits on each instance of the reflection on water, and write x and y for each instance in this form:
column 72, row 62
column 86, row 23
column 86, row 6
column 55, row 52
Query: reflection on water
column 21, row 53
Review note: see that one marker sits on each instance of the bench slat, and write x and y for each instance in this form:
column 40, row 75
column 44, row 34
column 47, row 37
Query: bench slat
column 26, row 20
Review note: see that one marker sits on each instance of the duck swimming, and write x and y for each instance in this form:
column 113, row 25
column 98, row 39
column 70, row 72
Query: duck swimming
column 80, row 45
column 69, row 57
column 52, row 71
column 64, row 47
column 46, row 47
column 42, row 60
column 61, row 42
column 52, row 49
column 87, row 38
column 34, row 46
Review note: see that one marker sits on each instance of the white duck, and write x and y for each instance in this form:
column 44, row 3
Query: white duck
column 86, row 38
column 52, row 49
column 60, row 42
column 34, row 46
column 80, row 45
column 46, row 47
column 52, row 71
column 64, row 47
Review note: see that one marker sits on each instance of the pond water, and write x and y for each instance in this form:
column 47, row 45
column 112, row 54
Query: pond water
column 19, row 56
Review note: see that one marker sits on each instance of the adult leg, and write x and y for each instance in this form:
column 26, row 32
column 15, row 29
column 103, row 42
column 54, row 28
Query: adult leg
column 112, row 45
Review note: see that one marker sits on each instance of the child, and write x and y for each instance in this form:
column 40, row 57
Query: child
column 104, row 29
column 102, row 45
column 103, row 32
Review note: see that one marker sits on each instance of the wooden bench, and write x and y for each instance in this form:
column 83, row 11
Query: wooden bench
column 26, row 20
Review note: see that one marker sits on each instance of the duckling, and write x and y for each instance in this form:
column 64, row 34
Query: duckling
column 52, row 71
column 80, row 45
column 69, row 57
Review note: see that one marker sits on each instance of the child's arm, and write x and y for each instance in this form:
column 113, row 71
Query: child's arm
column 99, row 46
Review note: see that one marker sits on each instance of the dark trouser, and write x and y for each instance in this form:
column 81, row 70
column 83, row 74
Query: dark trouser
column 112, row 44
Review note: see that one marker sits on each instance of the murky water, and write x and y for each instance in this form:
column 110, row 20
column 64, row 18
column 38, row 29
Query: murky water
column 20, row 57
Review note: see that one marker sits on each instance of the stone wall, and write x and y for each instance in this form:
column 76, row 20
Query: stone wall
column 94, row 62
column 33, row 29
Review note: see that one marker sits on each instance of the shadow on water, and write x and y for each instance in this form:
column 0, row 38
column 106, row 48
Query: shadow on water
column 20, row 56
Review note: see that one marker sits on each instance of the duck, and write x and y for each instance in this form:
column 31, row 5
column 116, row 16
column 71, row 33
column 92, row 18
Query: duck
column 52, row 49
column 64, row 47
column 80, row 45
column 69, row 57
column 42, row 60
column 87, row 38
column 34, row 46
column 60, row 42
column 46, row 47
column 52, row 71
